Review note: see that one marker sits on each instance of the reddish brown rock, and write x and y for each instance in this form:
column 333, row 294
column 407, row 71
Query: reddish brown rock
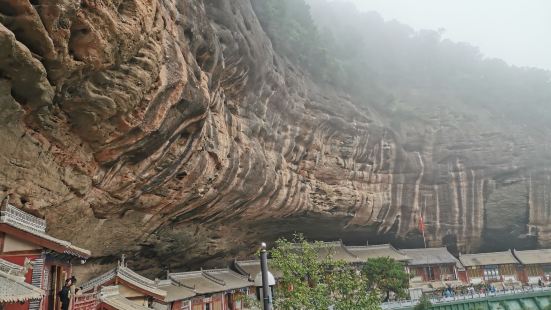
column 171, row 130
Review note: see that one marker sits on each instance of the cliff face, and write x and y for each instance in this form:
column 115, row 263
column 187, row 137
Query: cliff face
column 171, row 129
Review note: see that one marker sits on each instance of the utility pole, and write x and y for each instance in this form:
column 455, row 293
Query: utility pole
column 266, row 294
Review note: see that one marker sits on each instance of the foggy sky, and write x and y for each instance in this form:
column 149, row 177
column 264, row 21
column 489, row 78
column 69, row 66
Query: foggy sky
column 517, row 31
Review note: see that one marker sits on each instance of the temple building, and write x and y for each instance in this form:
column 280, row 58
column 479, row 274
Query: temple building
column 431, row 268
column 491, row 267
column 47, row 260
column 131, row 286
column 536, row 265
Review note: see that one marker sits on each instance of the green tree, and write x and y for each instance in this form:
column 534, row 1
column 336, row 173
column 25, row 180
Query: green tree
column 294, row 35
column 424, row 304
column 309, row 281
column 351, row 291
column 387, row 275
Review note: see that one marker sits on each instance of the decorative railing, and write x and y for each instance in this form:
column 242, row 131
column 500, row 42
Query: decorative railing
column 12, row 215
column 468, row 296
column 85, row 302
column 10, row 268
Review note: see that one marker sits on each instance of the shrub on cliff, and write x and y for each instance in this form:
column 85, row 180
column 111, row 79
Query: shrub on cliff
column 294, row 35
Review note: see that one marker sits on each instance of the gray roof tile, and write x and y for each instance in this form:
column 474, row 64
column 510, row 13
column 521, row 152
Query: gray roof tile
column 493, row 258
column 14, row 289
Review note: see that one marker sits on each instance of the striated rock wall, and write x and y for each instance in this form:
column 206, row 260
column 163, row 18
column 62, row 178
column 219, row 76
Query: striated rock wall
column 172, row 130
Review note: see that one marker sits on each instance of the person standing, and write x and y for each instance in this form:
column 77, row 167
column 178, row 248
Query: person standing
column 65, row 295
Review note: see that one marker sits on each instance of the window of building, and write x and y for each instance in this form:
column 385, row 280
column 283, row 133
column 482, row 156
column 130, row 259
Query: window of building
column 491, row 272
column 430, row 273
column 185, row 305
column 474, row 272
column 447, row 273
column 532, row 270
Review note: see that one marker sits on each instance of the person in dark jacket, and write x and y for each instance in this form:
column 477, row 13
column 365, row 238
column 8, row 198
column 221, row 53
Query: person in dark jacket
column 65, row 295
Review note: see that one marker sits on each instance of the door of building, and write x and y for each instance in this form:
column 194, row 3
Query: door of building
column 56, row 284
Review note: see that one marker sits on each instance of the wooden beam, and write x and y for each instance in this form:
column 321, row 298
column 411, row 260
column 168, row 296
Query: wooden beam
column 23, row 253
column 2, row 237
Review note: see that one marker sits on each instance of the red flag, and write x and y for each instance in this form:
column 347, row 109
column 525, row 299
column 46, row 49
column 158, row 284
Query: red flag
column 421, row 224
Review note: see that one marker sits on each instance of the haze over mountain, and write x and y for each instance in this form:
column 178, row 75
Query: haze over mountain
column 182, row 133
column 514, row 31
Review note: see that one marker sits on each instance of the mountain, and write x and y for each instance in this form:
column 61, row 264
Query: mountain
column 184, row 132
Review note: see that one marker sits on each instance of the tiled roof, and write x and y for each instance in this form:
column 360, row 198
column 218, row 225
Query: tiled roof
column 230, row 279
column 20, row 220
column 209, row 281
column 375, row 251
column 250, row 268
column 530, row 257
column 195, row 281
column 337, row 251
column 174, row 291
column 128, row 275
column 13, row 289
column 110, row 296
column 493, row 258
column 429, row 256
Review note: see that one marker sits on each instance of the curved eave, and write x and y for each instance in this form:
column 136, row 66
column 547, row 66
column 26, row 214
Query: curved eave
column 157, row 294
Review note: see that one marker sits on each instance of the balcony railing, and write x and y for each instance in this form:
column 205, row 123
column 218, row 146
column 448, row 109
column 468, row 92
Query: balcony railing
column 11, row 215
column 85, row 302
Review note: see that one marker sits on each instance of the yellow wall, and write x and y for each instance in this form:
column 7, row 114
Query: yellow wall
column 12, row 244
column 128, row 292
column 133, row 295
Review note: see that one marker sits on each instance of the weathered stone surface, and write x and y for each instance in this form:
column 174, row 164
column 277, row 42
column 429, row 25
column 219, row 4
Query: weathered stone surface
column 172, row 131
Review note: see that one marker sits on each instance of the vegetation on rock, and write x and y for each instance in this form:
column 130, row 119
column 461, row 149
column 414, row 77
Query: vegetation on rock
column 394, row 67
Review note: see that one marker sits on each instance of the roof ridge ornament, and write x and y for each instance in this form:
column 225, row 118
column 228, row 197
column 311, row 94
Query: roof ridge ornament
column 122, row 261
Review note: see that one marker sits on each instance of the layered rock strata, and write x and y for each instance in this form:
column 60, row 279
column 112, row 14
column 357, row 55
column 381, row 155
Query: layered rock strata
column 173, row 131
